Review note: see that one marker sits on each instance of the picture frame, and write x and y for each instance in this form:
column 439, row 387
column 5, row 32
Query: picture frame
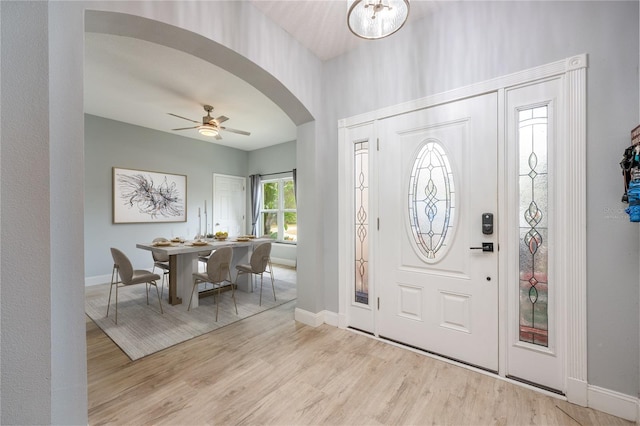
column 143, row 196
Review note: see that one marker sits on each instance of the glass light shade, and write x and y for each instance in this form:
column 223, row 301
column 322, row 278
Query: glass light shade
column 206, row 130
column 373, row 19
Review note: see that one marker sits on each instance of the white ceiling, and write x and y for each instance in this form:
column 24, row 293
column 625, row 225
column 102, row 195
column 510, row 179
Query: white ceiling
column 321, row 25
column 139, row 82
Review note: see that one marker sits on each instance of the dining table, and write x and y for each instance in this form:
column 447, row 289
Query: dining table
column 183, row 262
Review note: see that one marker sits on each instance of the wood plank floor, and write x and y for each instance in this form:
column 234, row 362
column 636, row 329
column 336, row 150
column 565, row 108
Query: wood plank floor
column 270, row 370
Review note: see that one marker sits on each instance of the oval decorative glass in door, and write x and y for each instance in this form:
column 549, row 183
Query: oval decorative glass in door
column 432, row 201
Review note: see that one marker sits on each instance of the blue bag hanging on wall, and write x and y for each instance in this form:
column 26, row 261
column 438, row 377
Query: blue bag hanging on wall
column 634, row 201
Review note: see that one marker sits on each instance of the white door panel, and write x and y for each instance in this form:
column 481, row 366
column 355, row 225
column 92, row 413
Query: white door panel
column 229, row 202
column 538, row 359
column 435, row 292
column 359, row 236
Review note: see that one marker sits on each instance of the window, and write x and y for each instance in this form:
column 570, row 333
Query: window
column 432, row 201
column 534, row 251
column 279, row 219
column 361, row 197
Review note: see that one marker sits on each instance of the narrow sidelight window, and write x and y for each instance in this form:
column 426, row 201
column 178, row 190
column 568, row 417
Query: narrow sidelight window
column 361, row 196
column 533, row 218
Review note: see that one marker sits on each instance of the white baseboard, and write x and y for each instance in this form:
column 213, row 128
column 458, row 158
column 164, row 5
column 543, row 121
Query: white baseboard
column 98, row 279
column 578, row 392
column 309, row 318
column 342, row 321
column 315, row 320
column 614, row 403
column 331, row 318
column 284, row 262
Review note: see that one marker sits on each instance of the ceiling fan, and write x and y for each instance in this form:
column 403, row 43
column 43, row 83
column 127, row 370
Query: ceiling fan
column 210, row 126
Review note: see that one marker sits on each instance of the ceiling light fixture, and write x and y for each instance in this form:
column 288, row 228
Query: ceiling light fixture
column 373, row 19
column 208, row 130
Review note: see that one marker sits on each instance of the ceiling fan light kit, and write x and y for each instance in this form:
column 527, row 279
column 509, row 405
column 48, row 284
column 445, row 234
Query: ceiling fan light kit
column 207, row 130
column 210, row 126
column 375, row 19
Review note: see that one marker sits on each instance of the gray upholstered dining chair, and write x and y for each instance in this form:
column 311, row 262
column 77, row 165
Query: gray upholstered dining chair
column 218, row 273
column 161, row 261
column 123, row 270
column 203, row 256
column 258, row 264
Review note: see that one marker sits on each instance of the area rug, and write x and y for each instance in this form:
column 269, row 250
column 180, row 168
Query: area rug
column 142, row 330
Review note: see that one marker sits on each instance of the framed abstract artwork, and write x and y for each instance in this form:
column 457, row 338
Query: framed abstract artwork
column 141, row 196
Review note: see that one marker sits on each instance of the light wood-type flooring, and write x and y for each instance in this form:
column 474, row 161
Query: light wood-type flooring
column 270, row 370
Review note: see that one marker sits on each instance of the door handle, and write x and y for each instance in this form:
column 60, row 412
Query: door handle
column 485, row 247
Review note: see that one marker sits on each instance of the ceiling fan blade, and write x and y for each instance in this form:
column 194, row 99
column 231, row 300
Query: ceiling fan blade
column 184, row 118
column 240, row 132
column 186, row 128
column 222, row 119
column 218, row 137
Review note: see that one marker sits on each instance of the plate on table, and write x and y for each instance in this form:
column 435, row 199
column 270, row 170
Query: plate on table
column 176, row 240
column 200, row 243
column 162, row 243
column 242, row 239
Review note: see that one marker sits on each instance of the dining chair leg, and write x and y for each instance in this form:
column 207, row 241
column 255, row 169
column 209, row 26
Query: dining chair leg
column 159, row 300
column 116, row 303
column 233, row 292
column 218, row 302
column 273, row 286
column 260, row 289
column 146, row 285
column 272, row 279
column 111, row 288
column 195, row 283
column 109, row 302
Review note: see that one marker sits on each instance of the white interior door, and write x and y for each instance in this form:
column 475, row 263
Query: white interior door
column 437, row 177
column 229, row 204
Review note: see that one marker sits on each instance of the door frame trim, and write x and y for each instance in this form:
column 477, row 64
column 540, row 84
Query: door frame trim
column 571, row 224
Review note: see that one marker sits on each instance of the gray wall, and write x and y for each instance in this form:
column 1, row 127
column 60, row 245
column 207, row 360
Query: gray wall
column 276, row 158
column 25, row 358
column 273, row 159
column 111, row 144
column 461, row 43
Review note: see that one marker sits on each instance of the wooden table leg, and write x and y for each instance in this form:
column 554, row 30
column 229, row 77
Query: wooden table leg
column 173, row 281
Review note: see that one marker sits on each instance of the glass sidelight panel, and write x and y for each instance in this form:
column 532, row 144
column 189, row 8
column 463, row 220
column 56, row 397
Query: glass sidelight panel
column 533, row 223
column 361, row 197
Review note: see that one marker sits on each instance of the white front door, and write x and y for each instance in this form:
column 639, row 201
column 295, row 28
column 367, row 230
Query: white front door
column 229, row 201
column 437, row 287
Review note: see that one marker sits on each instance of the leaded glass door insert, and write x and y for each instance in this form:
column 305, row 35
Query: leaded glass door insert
column 361, row 208
column 431, row 201
column 533, row 252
